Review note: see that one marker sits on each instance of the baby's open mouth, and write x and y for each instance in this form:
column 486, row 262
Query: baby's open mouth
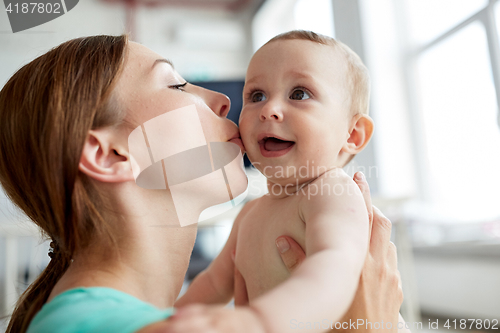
column 275, row 144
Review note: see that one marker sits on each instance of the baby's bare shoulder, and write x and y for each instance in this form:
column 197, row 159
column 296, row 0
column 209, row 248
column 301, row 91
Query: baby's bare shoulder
column 246, row 209
column 333, row 182
column 336, row 175
column 329, row 191
column 249, row 205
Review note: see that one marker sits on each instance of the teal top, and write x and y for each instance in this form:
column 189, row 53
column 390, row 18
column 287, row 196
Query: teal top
column 95, row 309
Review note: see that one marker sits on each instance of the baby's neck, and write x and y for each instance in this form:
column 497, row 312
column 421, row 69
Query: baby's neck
column 284, row 189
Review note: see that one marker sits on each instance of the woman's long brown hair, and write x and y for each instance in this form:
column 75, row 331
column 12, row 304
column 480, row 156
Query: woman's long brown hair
column 46, row 111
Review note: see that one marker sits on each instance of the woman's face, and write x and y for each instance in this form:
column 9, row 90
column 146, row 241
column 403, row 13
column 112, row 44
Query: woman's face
column 177, row 136
column 149, row 86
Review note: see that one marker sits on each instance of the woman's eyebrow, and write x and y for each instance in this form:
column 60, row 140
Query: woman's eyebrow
column 162, row 60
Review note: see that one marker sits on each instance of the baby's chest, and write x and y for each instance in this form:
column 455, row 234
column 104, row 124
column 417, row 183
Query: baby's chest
column 269, row 219
column 257, row 257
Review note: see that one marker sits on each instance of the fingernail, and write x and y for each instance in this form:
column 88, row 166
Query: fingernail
column 360, row 176
column 282, row 245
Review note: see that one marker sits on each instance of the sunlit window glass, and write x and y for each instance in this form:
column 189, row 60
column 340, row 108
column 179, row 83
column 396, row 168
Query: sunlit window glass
column 430, row 18
column 497, row 15
column 461, row 134
column 315, row 15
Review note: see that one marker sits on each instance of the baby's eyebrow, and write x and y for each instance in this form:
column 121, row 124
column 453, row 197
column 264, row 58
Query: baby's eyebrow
column 254, row 78
column 300, row 75
column 293, row 73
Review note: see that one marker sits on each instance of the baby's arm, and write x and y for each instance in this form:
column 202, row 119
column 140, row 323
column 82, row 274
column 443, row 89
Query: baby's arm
column 336, row 246
column 215, row 284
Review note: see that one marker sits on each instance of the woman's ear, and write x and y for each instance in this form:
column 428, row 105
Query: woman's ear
column 361, row 131
column 104, row 158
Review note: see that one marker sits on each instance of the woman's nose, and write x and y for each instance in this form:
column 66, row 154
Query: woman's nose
column 271, row 112
column 219, row 103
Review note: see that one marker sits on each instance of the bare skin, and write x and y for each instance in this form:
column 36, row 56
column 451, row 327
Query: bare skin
column 378, row 297
column 146, row 91
column 380, row 269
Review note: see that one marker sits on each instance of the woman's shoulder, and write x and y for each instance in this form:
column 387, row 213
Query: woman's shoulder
column 96, row 309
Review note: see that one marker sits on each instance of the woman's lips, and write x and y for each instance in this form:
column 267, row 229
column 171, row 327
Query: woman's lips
column 237, row 140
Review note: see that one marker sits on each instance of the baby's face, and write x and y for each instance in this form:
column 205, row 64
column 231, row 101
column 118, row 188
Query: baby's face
column 295, row 110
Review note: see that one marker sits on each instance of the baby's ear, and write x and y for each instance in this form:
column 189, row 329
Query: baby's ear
column 360, row 133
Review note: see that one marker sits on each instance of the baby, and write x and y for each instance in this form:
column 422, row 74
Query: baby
column 304, row 116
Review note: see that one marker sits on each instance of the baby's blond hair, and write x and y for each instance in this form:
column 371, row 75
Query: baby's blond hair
column 358, row 80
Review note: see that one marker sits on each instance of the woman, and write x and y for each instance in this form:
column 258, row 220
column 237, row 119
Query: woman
column 119, row 254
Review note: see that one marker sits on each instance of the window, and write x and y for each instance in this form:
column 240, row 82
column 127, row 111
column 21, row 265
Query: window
column 278, row 16
column 460, row 132
column 435, row 87
column 315, row 15
column 430, row 18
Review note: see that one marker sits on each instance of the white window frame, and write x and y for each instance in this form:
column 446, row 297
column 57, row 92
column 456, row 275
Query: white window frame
column 411, row 53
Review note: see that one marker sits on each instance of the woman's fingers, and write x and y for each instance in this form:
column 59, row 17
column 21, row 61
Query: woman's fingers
column 290, row 251
column 392, row 264
column 360, row 180
column 380, row 236
column 400, row 285
column 392, row 256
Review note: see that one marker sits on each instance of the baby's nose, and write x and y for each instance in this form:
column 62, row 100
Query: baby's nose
column 270, row 112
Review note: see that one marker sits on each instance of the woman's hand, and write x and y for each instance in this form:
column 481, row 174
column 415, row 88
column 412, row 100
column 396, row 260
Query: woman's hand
column 379, row 295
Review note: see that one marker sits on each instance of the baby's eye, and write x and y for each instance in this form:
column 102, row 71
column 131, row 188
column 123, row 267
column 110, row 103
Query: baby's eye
column 258, row 97
column 299, row 94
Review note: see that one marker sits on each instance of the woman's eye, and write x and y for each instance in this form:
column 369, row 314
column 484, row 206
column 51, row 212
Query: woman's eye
column 299, row 94
column 178, row 86
column 258, row 97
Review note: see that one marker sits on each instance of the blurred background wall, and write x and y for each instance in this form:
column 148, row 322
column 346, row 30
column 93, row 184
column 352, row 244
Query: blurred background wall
column 433, row 164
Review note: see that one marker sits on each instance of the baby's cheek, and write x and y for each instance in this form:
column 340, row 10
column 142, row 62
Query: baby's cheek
column 245, row 129
column 243, row 119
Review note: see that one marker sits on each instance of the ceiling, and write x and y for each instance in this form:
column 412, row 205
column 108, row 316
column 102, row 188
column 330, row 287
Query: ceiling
column 230, row 5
